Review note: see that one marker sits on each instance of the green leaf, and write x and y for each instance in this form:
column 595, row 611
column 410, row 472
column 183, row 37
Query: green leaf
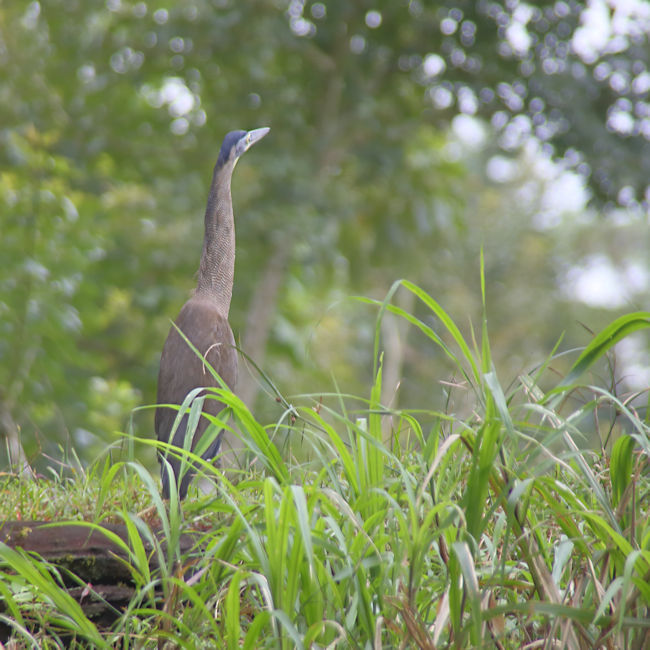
column 620, row 466
column 605, row 339
column 233, row 625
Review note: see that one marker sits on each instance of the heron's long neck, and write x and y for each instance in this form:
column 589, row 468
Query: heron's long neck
column 217, row 268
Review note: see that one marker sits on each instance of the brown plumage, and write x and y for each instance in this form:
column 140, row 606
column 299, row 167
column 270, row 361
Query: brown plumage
column 204, row 318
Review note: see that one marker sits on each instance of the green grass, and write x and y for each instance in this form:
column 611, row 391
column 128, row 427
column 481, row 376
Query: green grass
column 524, row 523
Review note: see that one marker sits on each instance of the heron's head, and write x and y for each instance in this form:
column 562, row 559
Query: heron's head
column 237, row 142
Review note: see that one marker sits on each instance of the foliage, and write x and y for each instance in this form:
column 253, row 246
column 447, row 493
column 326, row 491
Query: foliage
column 399, row 528
column 111, row 114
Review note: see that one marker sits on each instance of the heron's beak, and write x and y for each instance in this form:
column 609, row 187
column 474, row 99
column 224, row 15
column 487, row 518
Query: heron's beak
column 256, row 134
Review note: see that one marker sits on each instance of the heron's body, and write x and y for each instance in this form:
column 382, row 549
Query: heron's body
column 210, row 333
column 204, row 319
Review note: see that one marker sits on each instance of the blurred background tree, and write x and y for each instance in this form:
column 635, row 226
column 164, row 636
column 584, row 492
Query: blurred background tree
column 406, row 135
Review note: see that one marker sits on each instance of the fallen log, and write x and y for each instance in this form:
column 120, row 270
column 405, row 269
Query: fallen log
column 89, row 554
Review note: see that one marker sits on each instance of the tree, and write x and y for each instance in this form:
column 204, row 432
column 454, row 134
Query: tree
column 112, row 115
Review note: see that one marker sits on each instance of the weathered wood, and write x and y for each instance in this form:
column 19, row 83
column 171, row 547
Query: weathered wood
column 89, row 554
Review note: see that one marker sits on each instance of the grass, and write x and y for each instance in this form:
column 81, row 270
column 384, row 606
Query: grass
column 524, row 524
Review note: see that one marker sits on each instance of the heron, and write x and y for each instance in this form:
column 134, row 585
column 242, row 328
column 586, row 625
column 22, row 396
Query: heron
column 203, row 319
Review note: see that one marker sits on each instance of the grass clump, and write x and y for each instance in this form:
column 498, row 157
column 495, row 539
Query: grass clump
column 522, row 524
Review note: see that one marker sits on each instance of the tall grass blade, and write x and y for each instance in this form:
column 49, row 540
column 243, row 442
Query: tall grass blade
column 618, row 329
column 66, row 612
column 233, row 625
column 620, row 466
